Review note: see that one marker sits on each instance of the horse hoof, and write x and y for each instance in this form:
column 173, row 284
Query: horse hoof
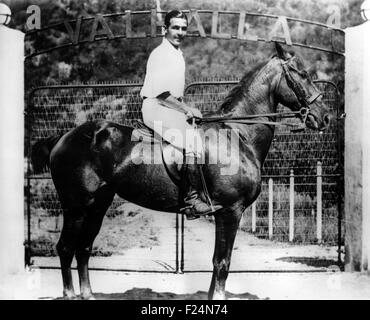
column 69, row 296
column 88, row 296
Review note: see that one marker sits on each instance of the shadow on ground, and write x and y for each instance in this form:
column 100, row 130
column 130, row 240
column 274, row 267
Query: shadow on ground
column 149, row 294
column 313, row 262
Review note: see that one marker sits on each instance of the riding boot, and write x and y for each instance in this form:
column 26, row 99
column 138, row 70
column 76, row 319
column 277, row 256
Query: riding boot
column 195, row 206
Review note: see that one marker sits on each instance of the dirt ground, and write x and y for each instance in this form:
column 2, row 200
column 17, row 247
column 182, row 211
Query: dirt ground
column 147, row 241
column 270, row 270
column 108, row 285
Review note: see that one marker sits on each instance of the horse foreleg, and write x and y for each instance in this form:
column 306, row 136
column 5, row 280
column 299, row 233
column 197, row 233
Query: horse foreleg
column 92, row 224
column 227, row 223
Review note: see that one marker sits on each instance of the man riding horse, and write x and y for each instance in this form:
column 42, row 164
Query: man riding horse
column 163, row 105
column 96, row 160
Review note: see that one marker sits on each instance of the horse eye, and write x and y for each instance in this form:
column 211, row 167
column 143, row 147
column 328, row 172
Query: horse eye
column 305, row 74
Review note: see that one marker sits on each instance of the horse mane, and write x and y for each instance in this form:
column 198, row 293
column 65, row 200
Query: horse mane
column 239, row 90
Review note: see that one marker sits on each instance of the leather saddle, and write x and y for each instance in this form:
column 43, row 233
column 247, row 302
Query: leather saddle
column 146, row 134
column 174, row 169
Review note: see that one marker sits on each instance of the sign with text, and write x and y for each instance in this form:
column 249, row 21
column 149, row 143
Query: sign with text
column 239, row 25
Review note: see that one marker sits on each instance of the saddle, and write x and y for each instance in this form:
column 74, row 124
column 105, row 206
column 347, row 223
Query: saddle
column 175, row 170
column 146, row 134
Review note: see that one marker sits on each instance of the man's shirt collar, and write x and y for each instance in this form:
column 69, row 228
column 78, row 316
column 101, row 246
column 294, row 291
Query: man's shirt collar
column 168, row 44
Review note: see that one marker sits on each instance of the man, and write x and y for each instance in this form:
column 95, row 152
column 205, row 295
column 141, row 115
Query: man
column 162, row 92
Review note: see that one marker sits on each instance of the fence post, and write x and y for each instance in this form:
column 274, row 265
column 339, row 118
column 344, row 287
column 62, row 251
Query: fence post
column 271, row 211
column 180, row 243
column 319, row 203
column 291, row 206
column 182, row 264
column 177, row 242
column 254, row 216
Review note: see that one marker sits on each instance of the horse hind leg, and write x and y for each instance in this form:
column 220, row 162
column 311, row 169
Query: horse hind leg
column 80, row 226
column 103, row 198
column 66, row 250
column 227, row 223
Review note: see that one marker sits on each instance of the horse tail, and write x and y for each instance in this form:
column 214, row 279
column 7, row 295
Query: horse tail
column 40, row 155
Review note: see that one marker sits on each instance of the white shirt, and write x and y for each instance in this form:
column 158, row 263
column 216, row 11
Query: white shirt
column 165, row 71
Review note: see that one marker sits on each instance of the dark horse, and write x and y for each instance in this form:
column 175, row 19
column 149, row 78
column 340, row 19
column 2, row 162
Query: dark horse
column 93, row 162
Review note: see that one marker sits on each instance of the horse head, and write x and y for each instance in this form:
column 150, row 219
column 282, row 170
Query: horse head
column 296, row 90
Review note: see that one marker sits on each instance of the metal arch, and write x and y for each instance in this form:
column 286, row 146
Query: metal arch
column 121, row 36
column 109, row 15
column 70, row 44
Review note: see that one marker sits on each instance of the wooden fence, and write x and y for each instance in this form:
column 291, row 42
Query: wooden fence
column 291, row 206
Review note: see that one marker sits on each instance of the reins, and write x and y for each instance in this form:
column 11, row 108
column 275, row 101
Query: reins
column 300, row 94
column 247, row 119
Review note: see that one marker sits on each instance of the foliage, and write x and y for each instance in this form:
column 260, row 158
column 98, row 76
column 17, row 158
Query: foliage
column 125, row 59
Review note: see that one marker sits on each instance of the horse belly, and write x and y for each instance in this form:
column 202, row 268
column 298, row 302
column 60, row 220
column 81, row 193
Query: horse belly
column 148, row 186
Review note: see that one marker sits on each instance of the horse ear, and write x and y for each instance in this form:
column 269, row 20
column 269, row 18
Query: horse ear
column 280, row 51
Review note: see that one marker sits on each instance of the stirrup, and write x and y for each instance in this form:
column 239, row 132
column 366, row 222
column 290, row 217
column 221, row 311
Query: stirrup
column 189, row 213
column 192, row 214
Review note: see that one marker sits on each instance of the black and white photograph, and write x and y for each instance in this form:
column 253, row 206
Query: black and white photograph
column 184, row 150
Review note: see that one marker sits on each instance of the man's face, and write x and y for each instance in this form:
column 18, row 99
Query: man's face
column 176, row 31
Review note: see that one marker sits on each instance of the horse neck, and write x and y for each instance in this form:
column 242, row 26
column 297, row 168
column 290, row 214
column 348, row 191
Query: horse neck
column 255, row 97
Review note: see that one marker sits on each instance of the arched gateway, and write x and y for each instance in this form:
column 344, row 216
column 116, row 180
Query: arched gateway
column 356, row 250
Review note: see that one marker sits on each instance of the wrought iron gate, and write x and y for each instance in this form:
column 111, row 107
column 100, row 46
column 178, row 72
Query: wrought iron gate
column 57, row 109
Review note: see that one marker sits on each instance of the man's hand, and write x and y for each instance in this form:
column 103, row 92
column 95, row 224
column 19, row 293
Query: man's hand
column 190, row 112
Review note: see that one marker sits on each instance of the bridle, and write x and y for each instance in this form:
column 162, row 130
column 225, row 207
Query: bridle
column 298, row 91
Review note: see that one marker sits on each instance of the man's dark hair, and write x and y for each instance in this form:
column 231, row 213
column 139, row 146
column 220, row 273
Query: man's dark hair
column 174, row 14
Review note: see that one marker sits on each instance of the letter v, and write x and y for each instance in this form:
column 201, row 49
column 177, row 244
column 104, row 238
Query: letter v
column 74, row 35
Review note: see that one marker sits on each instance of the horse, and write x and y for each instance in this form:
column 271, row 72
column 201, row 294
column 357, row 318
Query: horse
column 93, row 162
